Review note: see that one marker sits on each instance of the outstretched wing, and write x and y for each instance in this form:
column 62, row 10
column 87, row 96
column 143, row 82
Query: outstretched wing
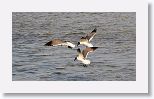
column 91, row 35
column 86, row 51
column 48, row 43
column 54, row 42
column 69, row 44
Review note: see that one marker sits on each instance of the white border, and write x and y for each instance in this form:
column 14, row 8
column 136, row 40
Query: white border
column 138, row 86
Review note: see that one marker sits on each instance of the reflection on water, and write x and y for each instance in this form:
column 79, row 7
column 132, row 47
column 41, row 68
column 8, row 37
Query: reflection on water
column 114, row 61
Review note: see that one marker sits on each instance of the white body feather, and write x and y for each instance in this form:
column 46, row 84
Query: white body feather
column 87, row 44
column 68, row 44
column 84, row 61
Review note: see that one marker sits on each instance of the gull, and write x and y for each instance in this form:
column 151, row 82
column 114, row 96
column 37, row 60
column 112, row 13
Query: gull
column 59, row 42
column 83, row 55
column 86, row 40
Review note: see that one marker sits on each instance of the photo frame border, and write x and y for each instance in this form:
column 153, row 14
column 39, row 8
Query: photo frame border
column 138, row 86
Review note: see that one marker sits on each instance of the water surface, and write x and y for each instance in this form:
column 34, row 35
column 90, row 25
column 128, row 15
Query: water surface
column 114, row 61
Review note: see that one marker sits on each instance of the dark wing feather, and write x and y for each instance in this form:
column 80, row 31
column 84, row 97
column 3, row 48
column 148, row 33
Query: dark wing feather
column 94, row 30
column 49, row 43
column 87, row 50
column 91, row 35
column 85, row 53
column 54, row 42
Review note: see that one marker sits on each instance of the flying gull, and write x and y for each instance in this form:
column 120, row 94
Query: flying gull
column 59, row 42
column 83, row 55
column 86, row 40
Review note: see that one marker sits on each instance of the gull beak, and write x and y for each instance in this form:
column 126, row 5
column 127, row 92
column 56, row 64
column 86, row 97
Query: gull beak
column 75, row 59
column 78, row 43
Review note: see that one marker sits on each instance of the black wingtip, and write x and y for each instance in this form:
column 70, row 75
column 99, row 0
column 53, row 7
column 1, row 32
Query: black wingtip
column 70, row 47
column 48, row 44
column 94, row 30
column 94, row 48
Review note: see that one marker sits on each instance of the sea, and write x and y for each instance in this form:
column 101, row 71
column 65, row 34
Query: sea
column 114, row 60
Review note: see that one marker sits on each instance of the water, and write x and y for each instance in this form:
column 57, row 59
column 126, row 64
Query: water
column 114, row 61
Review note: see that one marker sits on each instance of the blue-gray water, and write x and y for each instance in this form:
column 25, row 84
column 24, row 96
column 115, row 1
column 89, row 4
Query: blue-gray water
column 32, row 61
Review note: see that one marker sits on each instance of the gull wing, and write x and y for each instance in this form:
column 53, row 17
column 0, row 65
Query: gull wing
column 91, row 35
column 86, row 51
column 68, row 43
column 54, row 42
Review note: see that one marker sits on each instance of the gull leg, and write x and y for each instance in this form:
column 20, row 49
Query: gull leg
column 84, row 65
